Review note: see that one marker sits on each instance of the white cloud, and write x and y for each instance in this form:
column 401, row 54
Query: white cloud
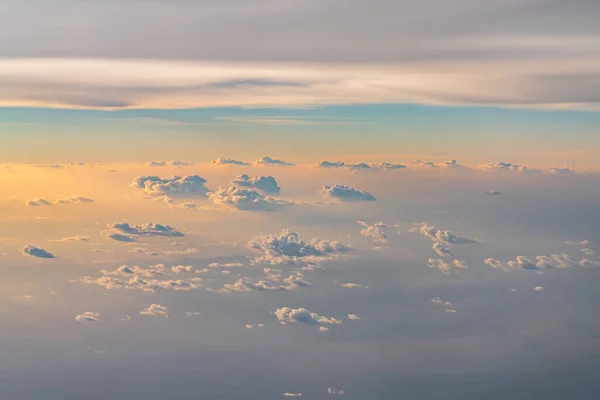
column 353, row 317
column 346, row 193
column 576, row 243
column 229, row 161
column 225, row 265
column 446, row 267
column 34, row 251
column 588, row 252
column 539, row 288
column 292, row 282
column 437, row 300
column 271, row 161
column 288, row 394
column 443, row 164
column 335, row 392
column 88, row 316
column 155, row 310
column 175, row 186
column 384, row 166
column 375, row 231
column 506, row 166
column 351, row 285
column 72, row 239
column 60, row 200
column 253, row 326
column 541, row 262
column 174, row 163
column 443, row 236
column 323, row 329
column 288, row 248
column 243, row 198
column 303, row 316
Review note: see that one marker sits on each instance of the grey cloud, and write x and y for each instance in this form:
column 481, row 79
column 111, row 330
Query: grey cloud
column 335, row 392
column 506, row 166
column 147, row 229
column 174, row 163
column 303, row 316
column 176, row 186
column 346, row 193
column 88, row 316
column 267, row 184
column 72, row 239
column 121, row 238
column 34, row 251
column 384, row 166
column 443, row 236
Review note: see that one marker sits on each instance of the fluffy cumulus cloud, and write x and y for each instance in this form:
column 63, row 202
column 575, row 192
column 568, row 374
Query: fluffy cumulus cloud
column 88, row 317
column 287, row 315
column 175, row 186
column 374, row 231
column 174, row 163
column 442, row 236
column 147, row 229
column 287, row 247
column 506, row 166
column 155, row 310
column 446, row 267
column 244, row 198
column 267, row 184
column 148, row 279
column 60, row 200
column 346, row 193
column 271, row 161
column 229, row 161
column 384, row 166
column 272, row 283
column 553, row 261
column 33, row 251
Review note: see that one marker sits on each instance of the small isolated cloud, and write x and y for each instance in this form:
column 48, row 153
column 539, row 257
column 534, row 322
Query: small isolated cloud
column 539, row 288
column 350, row 285
column 267, row 184
column 287, row 315
column 288, row 394
column 147, row 229
column 451, row 311
column 288, row 248
column 437, row 300
column 121, row 238
column 229, row 161
column 155, row 310
column 72, row 239
column 192, row 313
column 446, row 267
column 443, row 236
column 271, row 161
column 323, row 329
column 346, row 193
column 175, row 186
column 174, row 163
column 60, row 200
column 88, row 317
column 506, row 166
column 244, row 198
column 335, row 392
column 254, row 326
column 34, row 251
column 541, row 262
column 353, row 317
column 492, row 193
column 374, row 231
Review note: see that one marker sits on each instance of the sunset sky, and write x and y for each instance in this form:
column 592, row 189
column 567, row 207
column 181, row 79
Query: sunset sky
column 265, row 199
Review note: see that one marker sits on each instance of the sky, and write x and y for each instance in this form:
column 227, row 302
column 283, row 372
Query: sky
column 318, row 199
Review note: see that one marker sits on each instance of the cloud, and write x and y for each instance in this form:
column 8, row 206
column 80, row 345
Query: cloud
column 121, row 238
column 303, row 316
column 292, row 282
column 442, row 236
column 72, row 239
column 252, row 326
column 557, row 261
column 346, row 193
column 288, row 394
column 147, row 279
column 351, row 285
column 229, row 161
column 225, row 265
column 174, row 163
column 175, row 186
column 576, row 243
column 441, row 250
column 65, row 200
column 88, row 317
column 155, row 310
column 288, row 248
column 271, row 161
column 244, row 198
column 33, row 251
column 335, row 392
column 588, row 252
column 267, row 184
column 539, row 288
column 353, row 317
column 147, row 229
column 443, row 164
column 446, row 267
column 492, row 193
column 506, row 166
column 560, row 171
column 437, row 300
column 384, row 166
column 375, row 231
